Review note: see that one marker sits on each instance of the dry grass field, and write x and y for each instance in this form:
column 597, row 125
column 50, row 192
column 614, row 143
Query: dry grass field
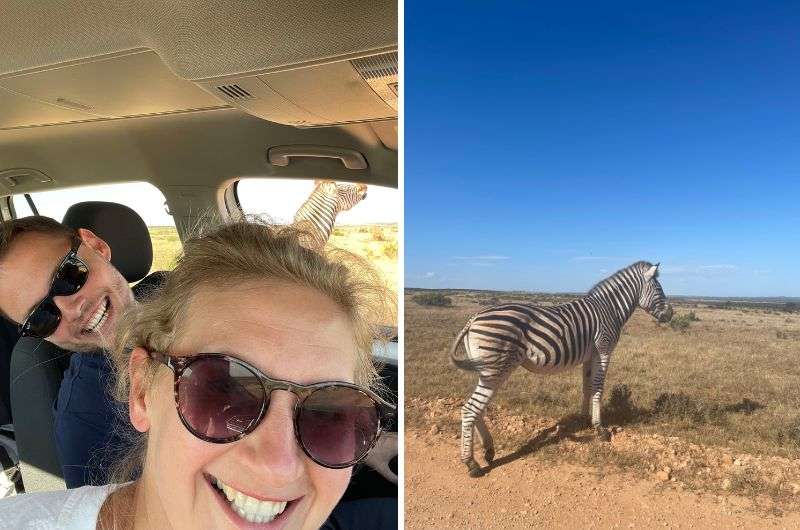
column 377, row 243
column 731, row 379
column 166, row 247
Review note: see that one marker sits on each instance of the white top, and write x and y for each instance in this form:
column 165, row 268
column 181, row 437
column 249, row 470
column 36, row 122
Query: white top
column 75, row 509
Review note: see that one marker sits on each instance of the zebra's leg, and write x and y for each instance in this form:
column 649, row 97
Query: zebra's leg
column 586, row 375
column 486, row 439
column 599, row 362
column 472, row 412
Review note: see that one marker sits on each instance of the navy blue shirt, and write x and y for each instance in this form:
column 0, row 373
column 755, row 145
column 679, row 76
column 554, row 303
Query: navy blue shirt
column 88, row 422
column 92, row 430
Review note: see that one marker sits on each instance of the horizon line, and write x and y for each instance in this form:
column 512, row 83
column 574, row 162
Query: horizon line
column 582, row 293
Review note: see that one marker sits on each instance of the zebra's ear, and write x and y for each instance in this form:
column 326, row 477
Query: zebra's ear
column 651, row 273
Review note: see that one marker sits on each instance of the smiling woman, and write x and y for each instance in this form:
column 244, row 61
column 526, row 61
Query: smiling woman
column 248, row 380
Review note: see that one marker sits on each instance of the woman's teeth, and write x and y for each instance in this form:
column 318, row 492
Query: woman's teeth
column 253, row 510
column 99, row 317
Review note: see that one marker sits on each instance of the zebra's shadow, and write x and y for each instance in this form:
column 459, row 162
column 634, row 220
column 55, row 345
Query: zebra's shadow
column 567, row 428
column 621, row 411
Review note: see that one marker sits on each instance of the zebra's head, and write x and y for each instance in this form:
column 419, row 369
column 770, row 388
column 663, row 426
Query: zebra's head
column 347, row 195
column 350, row 194
column 652, row 298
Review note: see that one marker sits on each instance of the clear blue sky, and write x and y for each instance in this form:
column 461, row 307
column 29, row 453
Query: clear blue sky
column 547, row 146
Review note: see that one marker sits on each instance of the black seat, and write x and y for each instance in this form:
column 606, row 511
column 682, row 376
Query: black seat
column 8, row 337
column 37, row 367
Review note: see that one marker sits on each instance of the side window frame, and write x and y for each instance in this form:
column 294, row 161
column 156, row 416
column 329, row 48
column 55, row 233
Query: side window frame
column 7, row 211
column 12, row 210
column 232, row 205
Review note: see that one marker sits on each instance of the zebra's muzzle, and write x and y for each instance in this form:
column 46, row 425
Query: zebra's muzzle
column 665, row 315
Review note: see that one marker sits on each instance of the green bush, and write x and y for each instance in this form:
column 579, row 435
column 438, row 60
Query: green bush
column 682, row 322
column 433, row 299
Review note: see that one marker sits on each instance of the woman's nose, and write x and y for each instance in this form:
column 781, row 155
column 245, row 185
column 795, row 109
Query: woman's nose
column 272, row 447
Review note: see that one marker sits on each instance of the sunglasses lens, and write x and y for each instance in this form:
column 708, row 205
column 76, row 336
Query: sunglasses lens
column 219, row 399
column 337, row 425
column 43, row 321
column 70, row 278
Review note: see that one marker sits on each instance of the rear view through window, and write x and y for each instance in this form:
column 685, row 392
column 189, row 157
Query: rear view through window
column 144, row 198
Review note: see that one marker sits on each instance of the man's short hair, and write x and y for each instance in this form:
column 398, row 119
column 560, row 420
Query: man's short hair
column 10, row 230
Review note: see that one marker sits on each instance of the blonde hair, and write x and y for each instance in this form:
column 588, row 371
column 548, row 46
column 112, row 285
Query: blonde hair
column 246, row 251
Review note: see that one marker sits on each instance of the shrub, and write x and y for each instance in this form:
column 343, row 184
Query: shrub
column 377, row 233
column 493, row 301
column 682, row 322
column 433, row 299
column 620, row 408
column 390, row 250
column 679, row 406
column 787, row 335
column 789, row 434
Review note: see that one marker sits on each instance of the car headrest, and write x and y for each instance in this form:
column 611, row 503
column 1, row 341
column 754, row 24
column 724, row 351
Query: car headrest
column 123, row 230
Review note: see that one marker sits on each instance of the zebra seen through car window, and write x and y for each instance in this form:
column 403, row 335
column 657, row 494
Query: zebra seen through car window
column 317, row 215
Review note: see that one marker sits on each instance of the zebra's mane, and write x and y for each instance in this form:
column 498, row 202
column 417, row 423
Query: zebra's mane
column 639, row 266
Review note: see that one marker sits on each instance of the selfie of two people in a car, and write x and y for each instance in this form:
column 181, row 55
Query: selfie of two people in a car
column 242, row 288
column 245, row 384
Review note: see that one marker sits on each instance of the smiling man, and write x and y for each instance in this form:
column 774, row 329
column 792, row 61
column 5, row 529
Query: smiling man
column 58, row 284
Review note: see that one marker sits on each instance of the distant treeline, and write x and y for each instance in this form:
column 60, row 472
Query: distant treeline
column 491, row 297
column 787, row 307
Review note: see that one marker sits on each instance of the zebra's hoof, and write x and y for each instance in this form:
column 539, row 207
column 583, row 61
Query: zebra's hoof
column 489, row 455
column 475, row 470
column 603, row 434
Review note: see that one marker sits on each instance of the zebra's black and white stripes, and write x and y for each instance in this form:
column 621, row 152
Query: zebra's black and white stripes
column 550, row 339
column 317, row 214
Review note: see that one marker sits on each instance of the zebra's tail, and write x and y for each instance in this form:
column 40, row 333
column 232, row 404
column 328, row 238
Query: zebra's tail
column 465, row 363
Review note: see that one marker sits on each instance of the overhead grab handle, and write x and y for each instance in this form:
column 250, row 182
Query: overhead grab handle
column 280, row 155
column 23, row 175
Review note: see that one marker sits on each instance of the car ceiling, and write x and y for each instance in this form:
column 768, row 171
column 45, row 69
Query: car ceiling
column 97, row 91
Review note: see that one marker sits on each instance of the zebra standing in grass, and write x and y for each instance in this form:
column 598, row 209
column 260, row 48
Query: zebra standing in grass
column 549, row 339
column 318, row 213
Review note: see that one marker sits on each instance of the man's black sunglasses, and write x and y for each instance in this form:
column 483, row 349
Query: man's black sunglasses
column 220, row 399
column 69, row 277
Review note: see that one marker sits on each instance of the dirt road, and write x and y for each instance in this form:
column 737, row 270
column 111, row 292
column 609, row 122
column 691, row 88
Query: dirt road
column 529, row 492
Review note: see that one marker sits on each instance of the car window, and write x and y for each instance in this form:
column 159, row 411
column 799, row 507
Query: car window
column 368, row 228
column 142, row 197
